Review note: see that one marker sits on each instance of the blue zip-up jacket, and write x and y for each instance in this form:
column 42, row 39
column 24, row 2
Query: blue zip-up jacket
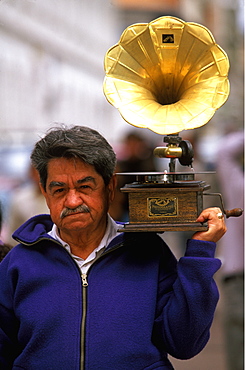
column 136, row 304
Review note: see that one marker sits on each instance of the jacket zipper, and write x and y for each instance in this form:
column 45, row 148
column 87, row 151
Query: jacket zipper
column 84, row 313
column 84, row 307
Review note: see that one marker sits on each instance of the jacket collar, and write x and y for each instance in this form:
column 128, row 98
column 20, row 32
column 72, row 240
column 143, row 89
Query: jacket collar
column 39, row 226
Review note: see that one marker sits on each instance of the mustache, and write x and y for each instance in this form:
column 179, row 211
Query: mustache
column 80, row 209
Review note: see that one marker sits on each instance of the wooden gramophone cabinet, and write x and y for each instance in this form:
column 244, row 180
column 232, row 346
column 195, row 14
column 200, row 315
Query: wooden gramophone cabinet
column 158, row 205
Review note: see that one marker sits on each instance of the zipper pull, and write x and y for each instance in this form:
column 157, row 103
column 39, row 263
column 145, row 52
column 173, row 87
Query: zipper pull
column 84, row 280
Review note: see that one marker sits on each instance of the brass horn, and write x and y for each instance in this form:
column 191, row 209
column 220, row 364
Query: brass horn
column 167, row 75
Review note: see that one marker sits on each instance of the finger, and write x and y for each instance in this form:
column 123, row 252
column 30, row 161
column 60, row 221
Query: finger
column 212, row 213
column 216, row 225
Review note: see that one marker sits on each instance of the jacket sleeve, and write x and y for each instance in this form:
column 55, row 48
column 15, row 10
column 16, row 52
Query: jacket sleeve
column 8, row 322
column 185, row 314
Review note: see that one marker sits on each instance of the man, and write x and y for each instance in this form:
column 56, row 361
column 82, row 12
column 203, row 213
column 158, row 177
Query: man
column 75, row 294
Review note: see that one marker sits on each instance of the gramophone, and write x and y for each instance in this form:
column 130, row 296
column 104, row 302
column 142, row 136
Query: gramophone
column 167, row 76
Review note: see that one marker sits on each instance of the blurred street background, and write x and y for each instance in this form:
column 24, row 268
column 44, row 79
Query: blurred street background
column 51, row 68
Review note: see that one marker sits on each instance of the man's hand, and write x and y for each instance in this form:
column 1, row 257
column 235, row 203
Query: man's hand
column 216, row 225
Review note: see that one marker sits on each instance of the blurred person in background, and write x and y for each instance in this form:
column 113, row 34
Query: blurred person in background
column 230, row 172
column 26, row 201
column 135, row 155
column 4, row 248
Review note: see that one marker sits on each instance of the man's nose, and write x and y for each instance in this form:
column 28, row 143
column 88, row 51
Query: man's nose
column 73, row 199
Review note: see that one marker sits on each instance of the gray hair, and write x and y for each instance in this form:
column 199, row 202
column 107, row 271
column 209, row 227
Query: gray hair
column 79, row 142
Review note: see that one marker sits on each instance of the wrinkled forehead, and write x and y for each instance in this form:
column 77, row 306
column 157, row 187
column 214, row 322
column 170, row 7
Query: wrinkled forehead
column 59, row 169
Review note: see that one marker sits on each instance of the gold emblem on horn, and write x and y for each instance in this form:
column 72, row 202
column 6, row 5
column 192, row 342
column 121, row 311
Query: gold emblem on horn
column 167, row 75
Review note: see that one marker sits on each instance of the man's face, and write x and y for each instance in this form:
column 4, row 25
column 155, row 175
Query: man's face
column 77, row 196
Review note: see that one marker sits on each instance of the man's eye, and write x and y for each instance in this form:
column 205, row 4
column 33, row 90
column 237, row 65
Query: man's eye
column 57, row 191
column 84, row 188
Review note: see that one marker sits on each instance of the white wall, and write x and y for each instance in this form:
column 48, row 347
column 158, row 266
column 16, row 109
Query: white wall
column 51, row 67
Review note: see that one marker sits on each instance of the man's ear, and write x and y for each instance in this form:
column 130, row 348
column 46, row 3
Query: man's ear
column 112, row 187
